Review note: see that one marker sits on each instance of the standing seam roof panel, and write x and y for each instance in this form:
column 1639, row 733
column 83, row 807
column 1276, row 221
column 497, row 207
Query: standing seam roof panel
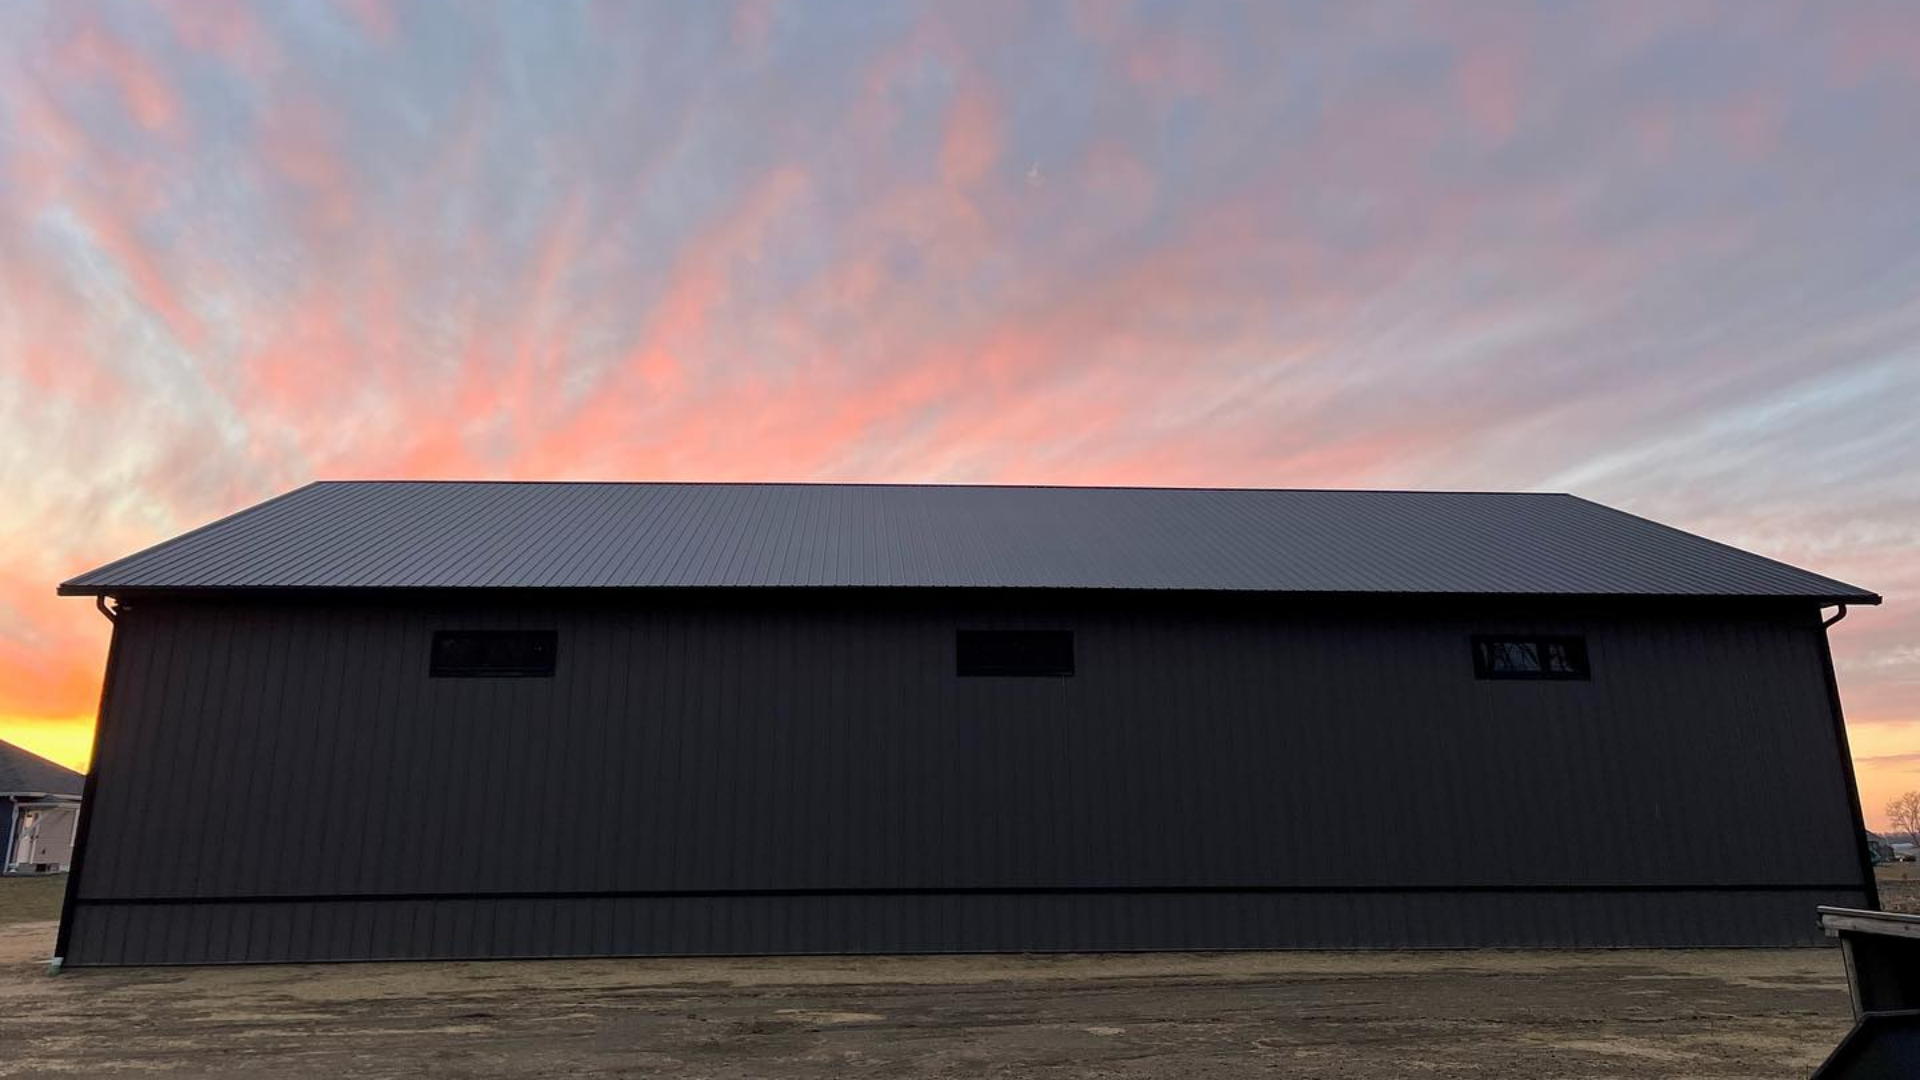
column 426, row 534
column 207, row 548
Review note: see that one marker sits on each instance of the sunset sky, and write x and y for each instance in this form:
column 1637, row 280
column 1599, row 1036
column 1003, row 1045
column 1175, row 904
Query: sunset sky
column 1665, row 255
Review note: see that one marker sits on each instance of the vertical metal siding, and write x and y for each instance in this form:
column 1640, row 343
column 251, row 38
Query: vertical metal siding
column 766, row 775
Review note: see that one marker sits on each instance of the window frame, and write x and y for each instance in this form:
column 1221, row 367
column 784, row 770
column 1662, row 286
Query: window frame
column 436, row 669
column 1575, row 644
column 962, row 670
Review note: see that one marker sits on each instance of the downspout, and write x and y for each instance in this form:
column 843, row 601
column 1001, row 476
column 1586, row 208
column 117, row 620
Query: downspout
column 1862, row 853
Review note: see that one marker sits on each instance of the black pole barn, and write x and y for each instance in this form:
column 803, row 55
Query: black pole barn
column 374, row 720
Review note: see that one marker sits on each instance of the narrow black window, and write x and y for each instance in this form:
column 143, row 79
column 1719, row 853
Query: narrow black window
column 1530, row 658
column 1015, row 652
column 492, row 653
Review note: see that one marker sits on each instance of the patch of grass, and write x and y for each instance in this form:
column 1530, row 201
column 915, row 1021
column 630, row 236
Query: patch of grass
column 31, row 898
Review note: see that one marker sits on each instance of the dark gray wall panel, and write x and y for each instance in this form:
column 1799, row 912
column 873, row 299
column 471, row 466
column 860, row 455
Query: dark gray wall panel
column 720, row 747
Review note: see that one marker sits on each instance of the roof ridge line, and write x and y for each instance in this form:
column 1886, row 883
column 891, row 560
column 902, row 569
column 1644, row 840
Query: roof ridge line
column 486, row 481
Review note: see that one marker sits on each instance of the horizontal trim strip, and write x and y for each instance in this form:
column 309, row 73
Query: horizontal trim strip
column 1035, row 890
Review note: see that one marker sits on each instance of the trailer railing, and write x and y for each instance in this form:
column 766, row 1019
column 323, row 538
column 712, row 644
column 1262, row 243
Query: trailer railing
column 1882, row 953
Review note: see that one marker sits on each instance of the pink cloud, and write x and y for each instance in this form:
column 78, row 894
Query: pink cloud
column 1488, row 84
column 378, row 19
column 1175, row 64
column 752, row 22
column 93, row 53
column 971, row 144
column 138, row 260
column 300, row 141
column 224, row 29
column 1755, row 124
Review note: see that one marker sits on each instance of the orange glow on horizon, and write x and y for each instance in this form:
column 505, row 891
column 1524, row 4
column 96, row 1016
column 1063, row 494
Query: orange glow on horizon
column 66, row 740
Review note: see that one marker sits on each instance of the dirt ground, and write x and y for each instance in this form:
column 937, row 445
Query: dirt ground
column 1756, row 1013
column 1899, row 886
column 1497, row 1014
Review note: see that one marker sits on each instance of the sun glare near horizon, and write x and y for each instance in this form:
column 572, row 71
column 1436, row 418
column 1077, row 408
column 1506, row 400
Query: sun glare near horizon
column 64, row 740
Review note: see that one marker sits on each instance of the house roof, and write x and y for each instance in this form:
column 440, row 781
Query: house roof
column 23, row 772
column 529, row 535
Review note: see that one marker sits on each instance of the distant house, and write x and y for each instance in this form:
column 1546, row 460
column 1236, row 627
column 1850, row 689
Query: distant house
column 43, row 808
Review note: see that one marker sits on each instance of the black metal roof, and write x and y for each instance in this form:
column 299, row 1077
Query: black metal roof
column 528, row 535
column 23, row 772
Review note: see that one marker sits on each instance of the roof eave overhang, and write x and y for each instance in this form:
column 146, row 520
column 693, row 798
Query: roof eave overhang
column 99, row 590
